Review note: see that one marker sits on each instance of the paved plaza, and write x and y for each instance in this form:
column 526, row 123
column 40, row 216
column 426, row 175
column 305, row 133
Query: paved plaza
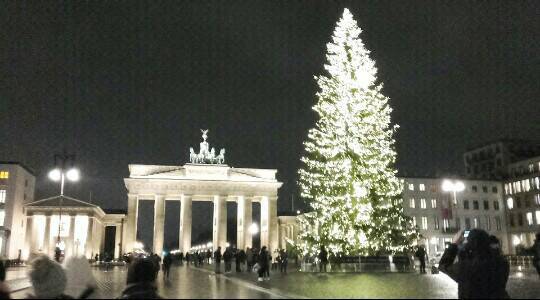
column 190, row 282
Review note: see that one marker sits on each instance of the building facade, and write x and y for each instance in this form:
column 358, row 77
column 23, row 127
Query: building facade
column 522, row 201
column 439, row 216
column 76, row 227
column 491, row 160
column 17, row 185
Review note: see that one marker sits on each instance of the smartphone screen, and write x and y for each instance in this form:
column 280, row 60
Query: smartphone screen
column 466, row 233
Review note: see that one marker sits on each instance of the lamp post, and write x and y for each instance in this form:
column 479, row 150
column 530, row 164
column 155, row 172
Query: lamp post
column 453, row 186
column 60, row 174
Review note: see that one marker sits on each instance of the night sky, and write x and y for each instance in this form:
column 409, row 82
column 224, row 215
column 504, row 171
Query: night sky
column 133, row 82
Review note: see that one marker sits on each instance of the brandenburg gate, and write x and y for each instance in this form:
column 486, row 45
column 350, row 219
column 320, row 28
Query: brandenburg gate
column 205, row 178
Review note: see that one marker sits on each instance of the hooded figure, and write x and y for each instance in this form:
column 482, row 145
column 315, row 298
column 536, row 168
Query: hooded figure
column 80, row 279
column 48, row 279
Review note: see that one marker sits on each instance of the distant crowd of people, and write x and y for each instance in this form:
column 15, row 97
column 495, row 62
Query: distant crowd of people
column 474, row 261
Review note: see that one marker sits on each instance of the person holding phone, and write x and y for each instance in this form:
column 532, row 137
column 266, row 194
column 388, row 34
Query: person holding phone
column 480, row 272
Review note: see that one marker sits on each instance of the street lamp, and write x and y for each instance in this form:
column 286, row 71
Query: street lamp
column 60, row 174
column 453, row 186
column 253, row 229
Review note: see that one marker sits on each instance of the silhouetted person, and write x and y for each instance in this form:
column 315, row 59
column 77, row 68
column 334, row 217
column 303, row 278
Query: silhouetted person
column 217, row 260
column 4, row 289
column 167, row 262
column 284, row 261
column 141, row 279
column 323, row 258
column 249, row 259
column 421, row 254
column 535, row 249
column 227, row 257
column 263, row 261
column 241, row 260
column 480, row 272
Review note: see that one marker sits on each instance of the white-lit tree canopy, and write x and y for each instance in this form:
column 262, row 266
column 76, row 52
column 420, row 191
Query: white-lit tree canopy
column 348, row 175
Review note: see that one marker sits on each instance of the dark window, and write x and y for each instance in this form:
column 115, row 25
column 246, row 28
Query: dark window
column 476, row 205
column 484, row 189
column 474, row 188
column 520, row 220
column 25, row 182
column 518, row 202
column 527, row 202
column 468, row 170
column 467, row 223
column 512, row 224
column 466, row 204
column 486, row 204
column 496, row 205
column 494, row 189
column 499, row 162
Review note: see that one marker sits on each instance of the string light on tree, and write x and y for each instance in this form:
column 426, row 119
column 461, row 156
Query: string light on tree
column 348, row 175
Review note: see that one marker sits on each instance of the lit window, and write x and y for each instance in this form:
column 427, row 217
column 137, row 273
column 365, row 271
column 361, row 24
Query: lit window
column 2, row 215
column 475, row 220
column 537, row 182
column 424, row 223
column 530, row 220
column 433, row 203
column 4, row 174
column 526, row 185
column 537, row 199
column 488, row 223
column 412, row 203
column 446, row 223
column 537, row 213
column 414, row 221
column 423, row 203
column 411, row 187
column 436, row 221
column 510, row 203
column 422, row 187
column 531, row 168
column 2, row 196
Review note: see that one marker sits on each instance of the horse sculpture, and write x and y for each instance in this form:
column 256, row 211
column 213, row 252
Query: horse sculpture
column 205, row 156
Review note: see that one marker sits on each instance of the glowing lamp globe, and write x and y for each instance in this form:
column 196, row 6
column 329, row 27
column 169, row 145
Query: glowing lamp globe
column 55, row 175
column 73, row 175
column 254, row 229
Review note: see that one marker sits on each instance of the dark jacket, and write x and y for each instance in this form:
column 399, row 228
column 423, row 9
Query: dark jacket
column 143, row 290
column 217, row 256
column 484, row 277
column 263, row 259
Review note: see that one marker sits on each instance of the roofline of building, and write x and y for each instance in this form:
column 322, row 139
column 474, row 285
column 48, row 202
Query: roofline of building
column 28, row 169
column 501, row 140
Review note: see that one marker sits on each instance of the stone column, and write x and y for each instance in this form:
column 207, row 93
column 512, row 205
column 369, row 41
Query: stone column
column 159, row 224
column 117, row 239
column 88, row 245
column 220, row 223
column 71, row 240
column 244, row 220
column 29, row 239
column 47, row 238
column 269, row 226
column 131, row 223
column 184, row 239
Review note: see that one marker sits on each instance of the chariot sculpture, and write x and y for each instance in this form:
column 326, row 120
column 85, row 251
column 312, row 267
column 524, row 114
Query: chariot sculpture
column 206, row 156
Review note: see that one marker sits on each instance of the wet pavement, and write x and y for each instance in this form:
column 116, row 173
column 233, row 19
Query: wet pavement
column 182, row 283
column 190, row 282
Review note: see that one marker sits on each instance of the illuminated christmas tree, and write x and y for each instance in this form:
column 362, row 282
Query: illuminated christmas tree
column 348, row 175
